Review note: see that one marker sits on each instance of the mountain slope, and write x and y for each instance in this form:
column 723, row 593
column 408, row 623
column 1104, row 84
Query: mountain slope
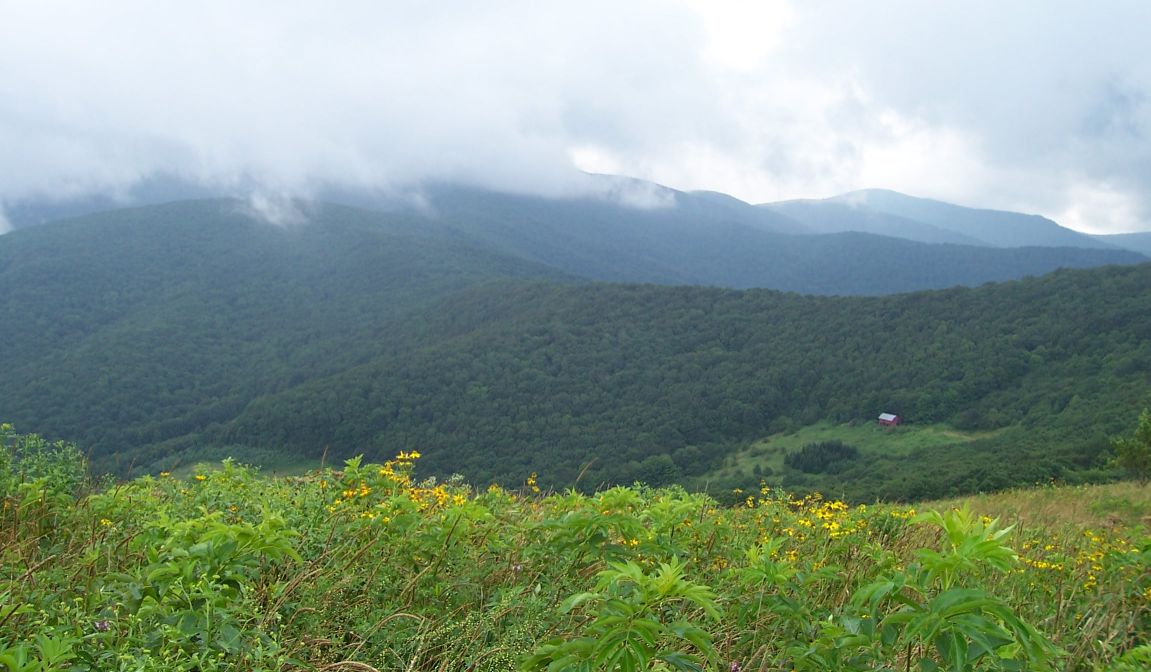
column 660, row 383
column 628, row 230
column 153, row 190
column 130, row 327
column 1136, row 242
column 692, row 243
column 833, row 217
column 149, row 332
column 993, row 227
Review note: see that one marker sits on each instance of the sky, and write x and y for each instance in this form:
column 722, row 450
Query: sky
column 1040, row 106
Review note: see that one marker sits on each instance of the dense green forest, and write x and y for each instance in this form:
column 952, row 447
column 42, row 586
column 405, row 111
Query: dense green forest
column 657, row 384
column 160, row 335
column 127, row 330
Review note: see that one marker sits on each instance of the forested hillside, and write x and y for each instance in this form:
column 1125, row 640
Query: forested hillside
column 159, row 335
column 659, row 383
column 156, row 322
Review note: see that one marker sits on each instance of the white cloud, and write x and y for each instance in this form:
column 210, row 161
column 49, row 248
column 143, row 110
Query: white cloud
column 1085, row 203
column 742, row 33
column 1011, row 105
column 372, row 93
column 276, row 209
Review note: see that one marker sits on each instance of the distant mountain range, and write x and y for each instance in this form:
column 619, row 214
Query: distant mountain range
column 643, row 210
column 710, row 239
column 1136, row 242
column 889, row 213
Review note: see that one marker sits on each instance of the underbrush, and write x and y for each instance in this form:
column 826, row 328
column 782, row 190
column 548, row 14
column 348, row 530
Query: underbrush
column 368, row 568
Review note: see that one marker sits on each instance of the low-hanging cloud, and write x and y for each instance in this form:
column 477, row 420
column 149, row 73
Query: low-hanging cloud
column 278, row 209
column 983, row 103
column 1010, row 105
column 375, row 94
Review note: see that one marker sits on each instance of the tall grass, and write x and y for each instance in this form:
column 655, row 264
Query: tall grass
column 369, row 568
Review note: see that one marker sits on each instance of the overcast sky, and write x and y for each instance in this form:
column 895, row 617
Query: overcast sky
column 1033, row 105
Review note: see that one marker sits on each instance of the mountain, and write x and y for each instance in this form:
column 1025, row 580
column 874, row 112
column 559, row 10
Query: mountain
column 155, row 334
column 925, row 219
column 127, row 328
column 714, row 240
column 154, row 190
column 1136, row 242
column 832, row 217
column 635, row 231
column 620, row 382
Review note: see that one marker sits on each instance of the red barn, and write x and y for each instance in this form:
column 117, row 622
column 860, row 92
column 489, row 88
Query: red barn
column 889, row 419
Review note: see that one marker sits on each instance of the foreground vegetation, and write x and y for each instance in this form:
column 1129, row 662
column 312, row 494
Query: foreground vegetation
column 364, row 568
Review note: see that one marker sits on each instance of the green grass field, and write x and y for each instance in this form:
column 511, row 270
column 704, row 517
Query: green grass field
column 1113, row 505
column 870, row 438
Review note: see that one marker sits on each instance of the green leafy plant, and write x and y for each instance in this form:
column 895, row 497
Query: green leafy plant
column 1133, row 453
column 635, row 618
column 25, row 458
column 937, row 621
column 970, row 543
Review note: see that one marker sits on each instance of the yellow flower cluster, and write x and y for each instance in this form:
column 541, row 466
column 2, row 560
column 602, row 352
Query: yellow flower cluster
column 401, row 478
column 1042, row 564
column 396, row 481
column 904, row 514
column 800, row 518
column 1090, row 561
column 1099, row 548
column 428, row 498
column 362, row 491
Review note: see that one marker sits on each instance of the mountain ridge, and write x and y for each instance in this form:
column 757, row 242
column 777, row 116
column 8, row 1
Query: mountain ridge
column 984, row 226
column 152, row 333
column 1136, row 242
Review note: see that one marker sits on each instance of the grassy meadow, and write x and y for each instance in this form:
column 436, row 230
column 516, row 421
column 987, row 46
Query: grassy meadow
column 869, row 437
column 368, row 567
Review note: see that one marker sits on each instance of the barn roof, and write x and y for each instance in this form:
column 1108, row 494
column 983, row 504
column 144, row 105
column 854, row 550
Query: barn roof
column 887, row 417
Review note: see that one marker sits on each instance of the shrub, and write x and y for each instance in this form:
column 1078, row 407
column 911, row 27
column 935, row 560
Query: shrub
column 25, row 458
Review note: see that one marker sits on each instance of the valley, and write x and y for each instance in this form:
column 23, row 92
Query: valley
column 488, row 337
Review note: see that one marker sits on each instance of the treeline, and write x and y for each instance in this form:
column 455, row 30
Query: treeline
column 821, row 457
